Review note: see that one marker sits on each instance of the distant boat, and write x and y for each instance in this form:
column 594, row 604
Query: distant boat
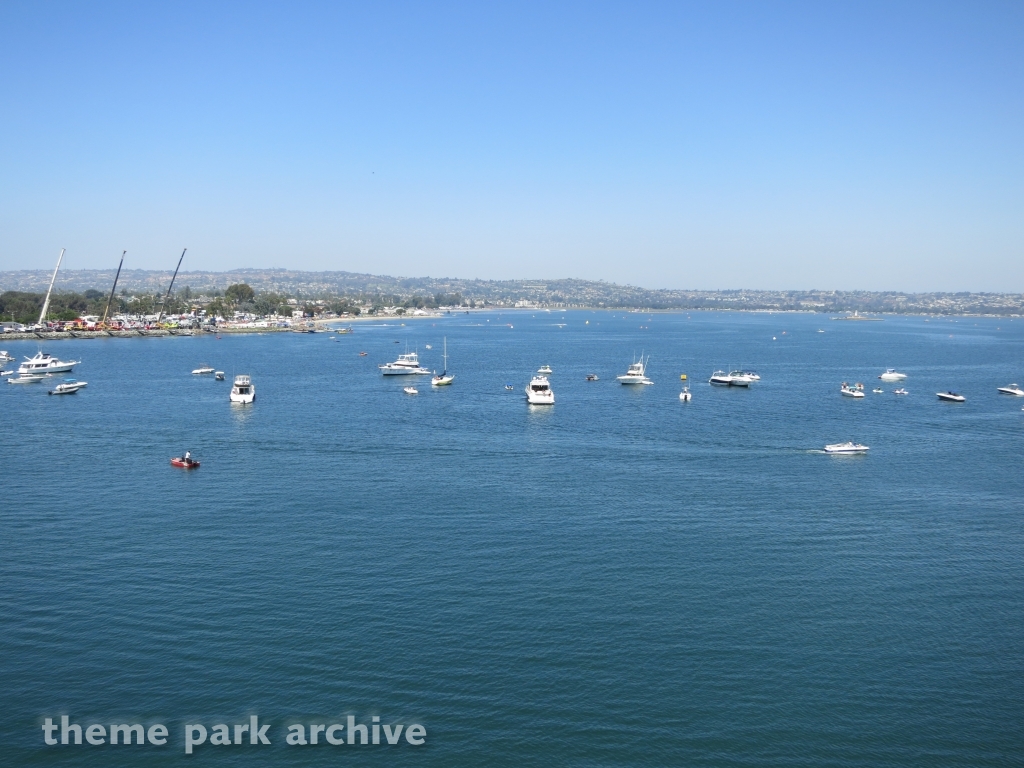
column 509, row 387
column 847, row 447
column 406, row 364
column 46, row 363
column 891, row 374
column 203, row 370
column 732, row 379
column 26, row 378
column 685, row 395
column 900, row 391
column 185, row 462
column 545, row 370
column 591, row 377
column 847, row 391
column 410, row 390
column 1013, row 389
column 5, row 357
column 951, row 397
column 219, row 375
column 445, row 378
column 878, row 390
column 68, row 387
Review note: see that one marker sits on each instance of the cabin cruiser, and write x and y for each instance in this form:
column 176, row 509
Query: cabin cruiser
column 406, row 364
column 752, row 375
column 855, row 391
column 68, row 387
column 545, row 370
column 891, row 374
column 733, row 379
column 203, row 370
column 538, row 391
column 636, row 373
column 26, row 378
column 1013, row 389
column 46, row 363
column 243, row 390
column 951, row 397
column 847, row 447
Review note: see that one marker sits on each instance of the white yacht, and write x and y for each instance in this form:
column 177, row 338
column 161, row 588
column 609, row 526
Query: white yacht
column 1013, row 389
column 538, row 392
column 204, row 370
column 951, row 397
column 68, row 387
column 847, row 447
column 46, row 363
column 636, row 373
column 445, row 378
column 406, row 364
column 891, row 374
column 855, row 391
column 545, row 370
column 243, row 390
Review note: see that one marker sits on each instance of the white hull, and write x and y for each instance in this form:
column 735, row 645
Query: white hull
column 243, row 398
column 851, row 393
column 846, row 448
column 58, row 366
column 402, row 370
column 892, row 375
column 1013, row 389
column 950, row 397
column 442, row 381
column 633, row 380
column 534, row 398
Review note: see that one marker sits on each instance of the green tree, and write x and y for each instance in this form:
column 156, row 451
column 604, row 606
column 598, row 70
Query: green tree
column 239, row 293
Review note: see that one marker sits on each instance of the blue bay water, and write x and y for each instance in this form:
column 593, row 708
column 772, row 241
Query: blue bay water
column 619, row 579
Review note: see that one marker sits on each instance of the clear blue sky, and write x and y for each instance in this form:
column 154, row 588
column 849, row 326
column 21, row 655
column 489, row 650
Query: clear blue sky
column 705, row 145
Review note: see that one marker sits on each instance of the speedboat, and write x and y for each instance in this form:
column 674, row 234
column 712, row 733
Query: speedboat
column 900, row 391
column 406, row 364
column 538, row 391
column 1013, row 389
column 204, row 370
column 847, row 391
column 243, row 390
column 545, row 370
column 46, row 363
column 68, row 387
column 847, row 447
column 509, row 387
column 891, row 374
column 184, row 462
column 951, row 397
column 219, row 375
column 636, row 373
column 410, row 390
column 685, row 395
column 26, row 378
column 591, row 377
column 720, row 378
column 878, row 390
column 445, row 378
column 743, row 378
column 5, row 357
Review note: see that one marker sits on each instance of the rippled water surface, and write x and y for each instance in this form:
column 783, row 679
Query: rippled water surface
column 619, row 579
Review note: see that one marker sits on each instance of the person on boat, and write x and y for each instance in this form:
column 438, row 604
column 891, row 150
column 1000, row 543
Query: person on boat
column 188, row 457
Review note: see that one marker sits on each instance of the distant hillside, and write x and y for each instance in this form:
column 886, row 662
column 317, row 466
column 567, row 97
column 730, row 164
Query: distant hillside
column 566, row 292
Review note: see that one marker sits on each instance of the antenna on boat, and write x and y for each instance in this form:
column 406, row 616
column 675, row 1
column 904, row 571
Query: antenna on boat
column 168, row 296
column 46, row 303
column 111, row 297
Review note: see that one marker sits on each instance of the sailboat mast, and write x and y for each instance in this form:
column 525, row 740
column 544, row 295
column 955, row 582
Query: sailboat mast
column 46, row 302
column 168, row 296
column 111, row 297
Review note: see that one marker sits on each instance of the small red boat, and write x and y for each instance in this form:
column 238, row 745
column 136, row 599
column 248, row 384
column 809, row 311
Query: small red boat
column 180, row 461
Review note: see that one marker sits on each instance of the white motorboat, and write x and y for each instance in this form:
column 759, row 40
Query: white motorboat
column 44, row 363
column 591, row 377
column 951, row 397
column 685, row 395
column 636, row 373
column 68, row 387
column 5, row 357
column 731, row 379
column 243, row 390
column 847, row 447
column 878, row 390
column 743, row 378
column 410, row 390
column 26, row 378
column 1013, row 389
column 203, row 370
column 219, row 375
column 847, row 391
column 405, row 365
column 538, row 391
column 445, row 378
column 900, row 391
column 891, row 374
column 545, row 370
